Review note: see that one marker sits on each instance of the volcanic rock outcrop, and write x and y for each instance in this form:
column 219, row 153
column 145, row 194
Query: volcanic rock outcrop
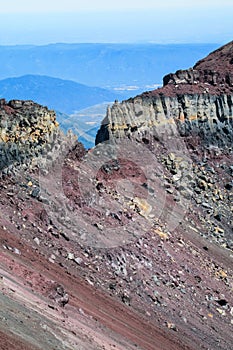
column 187, row 125
column 128, row 245
column 197, row 101
column 26, row 131
column 214, row 70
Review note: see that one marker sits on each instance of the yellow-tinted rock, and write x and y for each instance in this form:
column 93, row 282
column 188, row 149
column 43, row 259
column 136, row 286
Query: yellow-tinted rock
column 144, row 207
column 221, row 274
column 25, row 128
column 219, row 230
column 161, row 234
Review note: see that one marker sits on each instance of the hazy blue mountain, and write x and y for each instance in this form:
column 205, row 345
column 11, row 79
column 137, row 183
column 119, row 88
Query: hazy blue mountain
column 57, row 76
column 63, row 95
column 103, row 65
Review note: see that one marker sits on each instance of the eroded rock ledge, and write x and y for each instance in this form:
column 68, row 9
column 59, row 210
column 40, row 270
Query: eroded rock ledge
column 214, row 70
column 26, row 129
column 197, row 101
column 205, row 115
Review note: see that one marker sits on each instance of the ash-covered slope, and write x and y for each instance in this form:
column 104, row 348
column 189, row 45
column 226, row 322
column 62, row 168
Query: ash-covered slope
column 129, row 245
column 197, row 101
column 187, row 126
column 48, row 299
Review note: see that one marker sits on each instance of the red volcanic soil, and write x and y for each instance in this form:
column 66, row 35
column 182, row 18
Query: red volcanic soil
column 220, row 61
column 10, row 341
column 213, row 74
column 31, row 272
column 164, row 289
column 126, row 252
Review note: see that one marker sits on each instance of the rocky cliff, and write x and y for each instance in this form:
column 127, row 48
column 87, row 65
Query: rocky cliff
column 134, row 237
column 26, row 130
column 197, row 101
column 215, row 71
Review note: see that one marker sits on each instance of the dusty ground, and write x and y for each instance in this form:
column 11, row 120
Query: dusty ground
column 132, row 251
column 91, row 319
column 162, row 289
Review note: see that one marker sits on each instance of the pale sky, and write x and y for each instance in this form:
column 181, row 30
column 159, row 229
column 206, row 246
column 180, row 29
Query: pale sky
column 163, row 21
column 23, row 6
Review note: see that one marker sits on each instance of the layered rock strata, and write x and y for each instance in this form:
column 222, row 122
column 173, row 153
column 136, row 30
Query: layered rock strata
column 26, row 130
column 206, row 115
column 197, row 101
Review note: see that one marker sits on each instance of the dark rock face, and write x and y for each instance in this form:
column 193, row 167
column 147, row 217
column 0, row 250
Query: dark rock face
column 197, row 101
column 26, row 129
column 103, row 133
column 135, row 235
column 205, row 115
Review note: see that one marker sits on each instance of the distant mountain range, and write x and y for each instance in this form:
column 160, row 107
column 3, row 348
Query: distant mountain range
column 103, row 65
column 58, row 75
column 63, row 95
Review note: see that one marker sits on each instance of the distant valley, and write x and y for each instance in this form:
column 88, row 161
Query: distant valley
column 104, row 65
column 78, row 107
column 78, row 81
column 65, row 96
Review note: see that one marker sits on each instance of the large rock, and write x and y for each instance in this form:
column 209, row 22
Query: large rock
column 26, row 128
column 206, row 115
column 197, row 101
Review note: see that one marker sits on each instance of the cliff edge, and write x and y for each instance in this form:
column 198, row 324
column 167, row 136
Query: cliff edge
column 196, row 101
column 26, row 130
